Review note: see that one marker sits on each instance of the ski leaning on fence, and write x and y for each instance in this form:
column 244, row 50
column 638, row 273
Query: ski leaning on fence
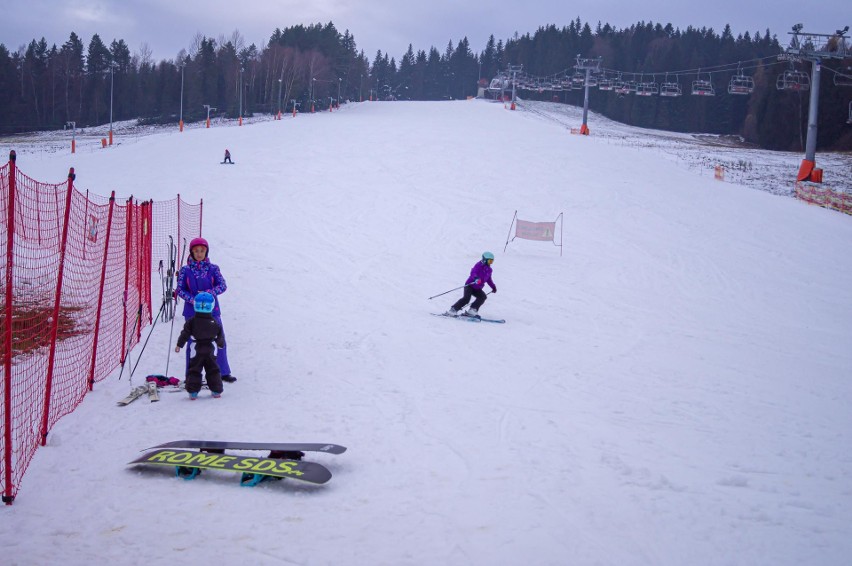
column 189, row 464
column 470, row 318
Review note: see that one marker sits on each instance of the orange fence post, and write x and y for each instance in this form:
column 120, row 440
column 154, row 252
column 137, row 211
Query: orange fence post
column 97, row 330
column 54, row 325
column 8, row 492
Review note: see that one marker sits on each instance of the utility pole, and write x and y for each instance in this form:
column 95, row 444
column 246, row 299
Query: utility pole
column 111, row 82
column 209, row 108
column 814, row 47
column 73, row 136
column 280, row 83
column 183, row 65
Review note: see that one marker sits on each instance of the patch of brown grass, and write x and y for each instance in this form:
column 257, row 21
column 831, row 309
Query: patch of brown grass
column 31, row 324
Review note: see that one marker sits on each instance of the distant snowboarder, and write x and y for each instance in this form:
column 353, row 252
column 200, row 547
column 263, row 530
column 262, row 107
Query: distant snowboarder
column 227, row 157
column 480, row 274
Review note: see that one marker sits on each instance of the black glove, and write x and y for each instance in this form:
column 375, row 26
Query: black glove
column 494, row 289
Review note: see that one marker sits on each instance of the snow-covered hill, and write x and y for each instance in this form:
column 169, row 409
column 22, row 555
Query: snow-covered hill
column 673, row 390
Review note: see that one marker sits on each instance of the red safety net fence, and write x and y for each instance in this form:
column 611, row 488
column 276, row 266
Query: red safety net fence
column 175, row 224
column 76, row 270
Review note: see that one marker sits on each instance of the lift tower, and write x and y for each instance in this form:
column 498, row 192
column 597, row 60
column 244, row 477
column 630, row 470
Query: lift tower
column 815, row 47
column 588, row 65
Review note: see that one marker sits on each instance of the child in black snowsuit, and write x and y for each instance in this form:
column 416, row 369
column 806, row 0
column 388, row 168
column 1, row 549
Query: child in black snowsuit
column 205, row 330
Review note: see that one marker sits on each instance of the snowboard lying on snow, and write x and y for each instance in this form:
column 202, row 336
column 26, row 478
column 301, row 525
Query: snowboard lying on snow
column 283, row 461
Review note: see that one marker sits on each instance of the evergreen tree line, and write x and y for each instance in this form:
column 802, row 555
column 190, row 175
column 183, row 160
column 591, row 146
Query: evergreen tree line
column 45, row 87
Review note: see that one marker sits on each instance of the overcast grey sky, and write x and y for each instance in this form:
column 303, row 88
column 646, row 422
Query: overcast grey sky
column 168, row 26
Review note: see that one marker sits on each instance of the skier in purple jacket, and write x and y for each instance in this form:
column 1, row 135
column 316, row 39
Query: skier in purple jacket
column 198, row 276
column 480, row 274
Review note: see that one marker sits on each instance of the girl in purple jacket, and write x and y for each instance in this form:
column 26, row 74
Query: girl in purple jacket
column 480, row 274
column 197, row 276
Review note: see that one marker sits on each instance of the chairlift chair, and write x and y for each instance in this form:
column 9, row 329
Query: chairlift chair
column 668, row 88
column 741, row 84
column 646, row 89
column 796, row 81
column 593, row 81
column 842, row 80
column 605, row 84
column 701, row 87
column 579, row 79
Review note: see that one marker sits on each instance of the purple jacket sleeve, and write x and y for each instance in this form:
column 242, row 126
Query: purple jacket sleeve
column 482, row 272
column 183, row 290
column 219, row 285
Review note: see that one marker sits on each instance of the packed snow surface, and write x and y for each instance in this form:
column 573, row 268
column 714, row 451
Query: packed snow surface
column 674, row 388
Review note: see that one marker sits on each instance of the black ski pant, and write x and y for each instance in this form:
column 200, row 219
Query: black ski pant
column 468, row 293
column 203, row 360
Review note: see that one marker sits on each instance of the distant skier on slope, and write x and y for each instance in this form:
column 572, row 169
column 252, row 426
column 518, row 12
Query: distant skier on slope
column 480, row 274
column 227, row 157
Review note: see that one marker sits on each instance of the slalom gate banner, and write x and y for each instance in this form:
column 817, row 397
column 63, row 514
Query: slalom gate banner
column 538, row 231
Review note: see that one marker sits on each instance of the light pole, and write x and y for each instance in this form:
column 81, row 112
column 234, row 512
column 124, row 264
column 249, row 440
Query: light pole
column 241, row 96
column 339, row 80
column 111, row 82
column 209, row 108
column 280, row 84
column 313, row 81
column 73, row 135
column 295, row 105
column 181, row 95
column 360, row 88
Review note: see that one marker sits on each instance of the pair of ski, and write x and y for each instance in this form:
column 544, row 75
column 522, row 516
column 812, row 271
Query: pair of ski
column 150, row 388
column 190, row 457
column 469, row 318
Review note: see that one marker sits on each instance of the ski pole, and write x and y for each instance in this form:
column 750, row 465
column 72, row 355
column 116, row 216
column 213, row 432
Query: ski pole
column 163, row 306
column 127, row 354
column 174, row 312
column 171, row 331
column 445, row 292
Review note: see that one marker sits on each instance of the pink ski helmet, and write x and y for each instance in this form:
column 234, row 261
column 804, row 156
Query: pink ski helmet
column 199, row 242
